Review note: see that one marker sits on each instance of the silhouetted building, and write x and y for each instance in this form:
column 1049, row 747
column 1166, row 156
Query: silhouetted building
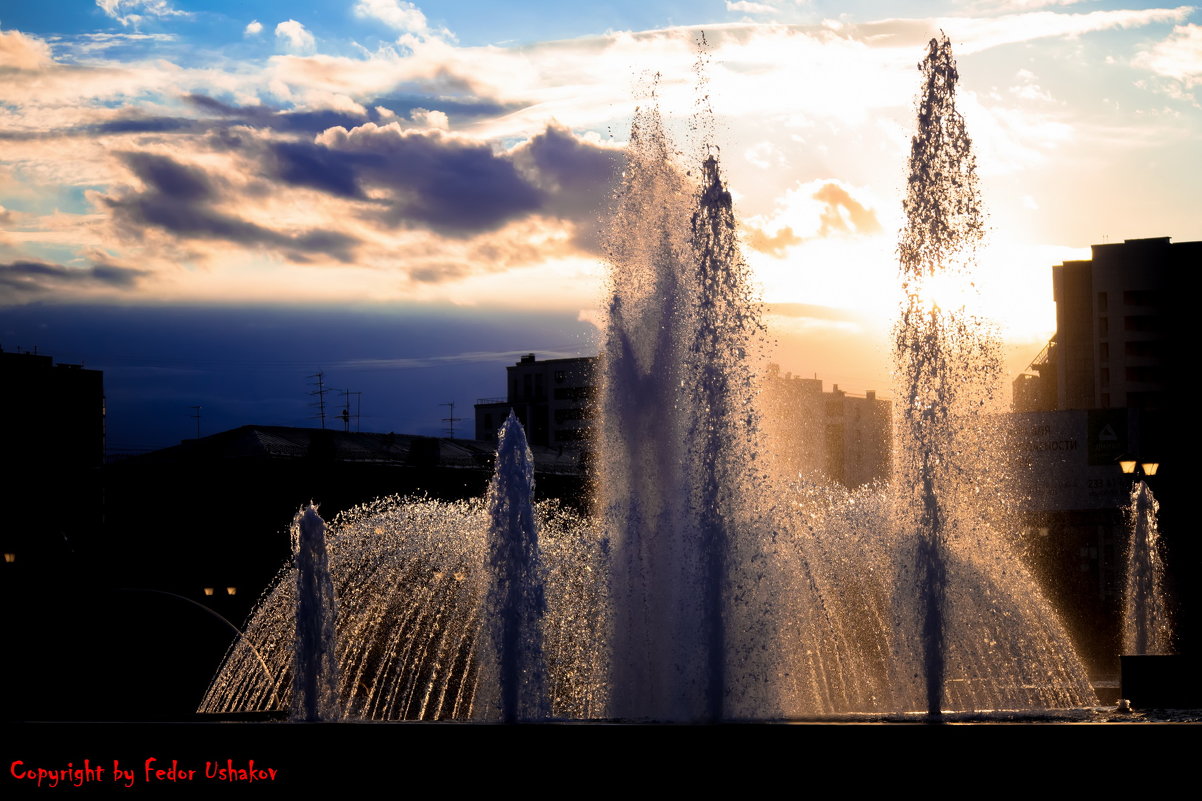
column 551, row 398
column 52, row 430
column 1111, row 382
column 1115, row 341
column 846, row 438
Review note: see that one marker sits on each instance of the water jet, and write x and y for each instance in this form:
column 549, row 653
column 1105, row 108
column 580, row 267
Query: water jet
column 704, row 588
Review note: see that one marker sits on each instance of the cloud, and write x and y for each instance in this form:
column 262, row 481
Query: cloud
column 749, row 7
column 184, row 201
column 774, row 244
column 22, row 52
column 843, row 214
column 817, row 210
column 253, row 28
column 430, row 119
column 398, row 14
column 1022, row 5
column 1178, row 57
column 24, row 281
column 976, row 34
column 295, row 37
column 575, row 176
column 448, row 183
column 133, row 12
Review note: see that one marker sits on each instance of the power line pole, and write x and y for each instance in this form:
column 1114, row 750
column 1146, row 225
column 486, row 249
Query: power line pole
column 450, row 421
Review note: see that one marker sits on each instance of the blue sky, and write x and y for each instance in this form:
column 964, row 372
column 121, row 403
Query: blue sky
column 447, row 159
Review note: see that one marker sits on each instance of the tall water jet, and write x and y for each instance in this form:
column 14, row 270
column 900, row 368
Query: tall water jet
column 943, row 227
column 516, row 601
column 315, row 669
column 959, row 581
column 1147, row 627
column 676, row 399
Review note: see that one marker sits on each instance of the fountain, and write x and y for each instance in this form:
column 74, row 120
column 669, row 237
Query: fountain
column 515, row 604
column 706, row 588
column 315, row 673
column 1146, row 623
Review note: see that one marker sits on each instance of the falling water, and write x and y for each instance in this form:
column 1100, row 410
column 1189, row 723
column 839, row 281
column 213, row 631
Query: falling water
column 949, row 488
column 1146, row 624
column 315, row 671
column 705, row 589
column 676, row 448
column 515, row 603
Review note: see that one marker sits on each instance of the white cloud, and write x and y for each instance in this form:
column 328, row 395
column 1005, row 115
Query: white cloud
column 132, row 12
column 295, row 37
column 253, row 28
column 20, row 51
column 975, row 35
column 1178, row 57
column 1025, row 5
column 749, row 8
column 398, row 14
column 430, row 119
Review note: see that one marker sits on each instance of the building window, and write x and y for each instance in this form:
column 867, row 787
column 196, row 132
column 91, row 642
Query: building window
column 1105, row 376
column 1142, row 297
column 1103, row 326
column 1142, row 322
column 1102, row 301
column 1104, row 352
column 560, row 376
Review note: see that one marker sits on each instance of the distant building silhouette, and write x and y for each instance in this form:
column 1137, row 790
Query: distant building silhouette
column 842, row 437
column 551, row 398
column 52, row 429
column 831, row 435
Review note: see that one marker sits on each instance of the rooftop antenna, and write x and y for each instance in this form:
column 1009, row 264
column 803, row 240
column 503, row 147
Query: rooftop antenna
column 320, row 392
column 196, row 416
column 345, row 415
column 452, row 420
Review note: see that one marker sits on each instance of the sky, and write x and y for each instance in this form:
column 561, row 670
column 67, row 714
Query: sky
column 213, row 200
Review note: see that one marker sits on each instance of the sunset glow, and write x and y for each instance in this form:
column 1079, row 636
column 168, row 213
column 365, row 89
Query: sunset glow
column 464, row 155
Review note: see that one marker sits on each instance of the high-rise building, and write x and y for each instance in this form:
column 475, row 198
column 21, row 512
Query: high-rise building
column 550, row 397
column 1120, row 335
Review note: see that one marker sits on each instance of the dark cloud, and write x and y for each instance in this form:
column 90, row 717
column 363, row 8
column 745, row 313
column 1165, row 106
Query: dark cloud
column 300, row 122
column 418, row 178
column 576, row 177
column 122, row 125
column 169, row 178
column 179, row 199
column 446, row 183
column 22, row 281
column 317, row 167
column 457, row 111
